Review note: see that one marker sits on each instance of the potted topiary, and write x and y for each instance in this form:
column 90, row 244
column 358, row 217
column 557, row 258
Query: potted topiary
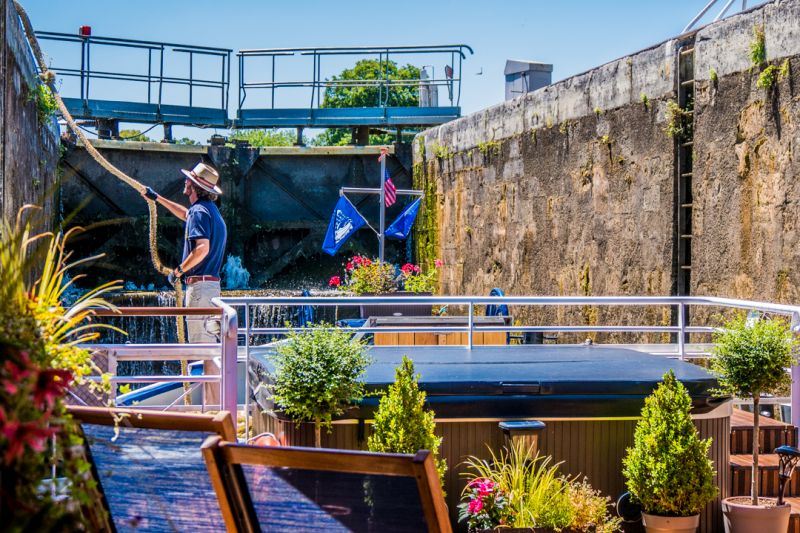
column 317, row 375
column 667, row 470
column 402, row 424
column 751, row 359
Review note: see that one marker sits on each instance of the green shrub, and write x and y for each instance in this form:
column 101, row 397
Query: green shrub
column 751, row 358
column 317, row 375
column 667, row 469
column 402, row 424
column 758, row 49
column 767, row 77
column 45, row 102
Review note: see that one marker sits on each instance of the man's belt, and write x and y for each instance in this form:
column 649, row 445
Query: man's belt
column 190, row 280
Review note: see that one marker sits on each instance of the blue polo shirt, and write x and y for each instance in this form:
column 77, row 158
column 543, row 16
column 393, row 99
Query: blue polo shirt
column 204, row 222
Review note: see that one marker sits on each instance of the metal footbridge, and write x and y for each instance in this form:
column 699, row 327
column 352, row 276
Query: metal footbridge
column 178, row 84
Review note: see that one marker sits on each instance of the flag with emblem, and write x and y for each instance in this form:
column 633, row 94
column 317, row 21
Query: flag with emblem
column 389, row 190
column 345, row 221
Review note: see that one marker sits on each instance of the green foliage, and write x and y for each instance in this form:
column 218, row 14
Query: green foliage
column 767, row 77
column 402, row 424
column 134, row 135
column 677, row 126
column 489, row 147
column 751, row 358
column 537, row 496
column 186, row 141
column 783, row 73
column 400, row 94
column 645, row 100
column 667, row 469
column 261, row 138
column 564, row 127
column 598, row 111
column 712, row 75
column 45, row 102
column 758, row 49
column 442, row 151
column 317, row 374
column 414, row 280
column 364, row 275
column 605, row 139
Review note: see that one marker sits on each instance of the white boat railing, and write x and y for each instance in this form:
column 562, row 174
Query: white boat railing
column 236, row 339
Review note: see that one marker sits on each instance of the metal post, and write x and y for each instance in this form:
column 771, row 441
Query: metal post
column 246, row 372
column 471, row 324
column 229, row 361
column 795, row 376
column 382, row 185
column 682, row 332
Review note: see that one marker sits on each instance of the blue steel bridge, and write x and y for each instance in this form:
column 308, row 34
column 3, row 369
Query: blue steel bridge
column 179, row 84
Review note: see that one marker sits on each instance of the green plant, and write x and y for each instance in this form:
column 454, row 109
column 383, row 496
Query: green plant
column 261, row 138
column 39, row 337
column 598, row 111
column 416, row 281
column 605, row 139
column 712, row 75
column 751, row 358
column 758, row 49
column 676, row 121
column 489, row 147
column 645, row 100
column 134, row 135
column 45, row 102
column 767, row 77
column 363, row 275
column 442, row 152
column 667, row 469
column 536, row 495
column 564, row 127
column 402, row 424
column 317, row 375
column 783, row 73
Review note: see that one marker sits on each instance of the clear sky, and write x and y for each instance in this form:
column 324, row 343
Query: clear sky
column 573, row 35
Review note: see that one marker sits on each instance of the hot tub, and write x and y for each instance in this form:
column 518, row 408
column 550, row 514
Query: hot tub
column 589, row 398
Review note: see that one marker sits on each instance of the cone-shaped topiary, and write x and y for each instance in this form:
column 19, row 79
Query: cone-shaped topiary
column 402, row 425
column 667, row 469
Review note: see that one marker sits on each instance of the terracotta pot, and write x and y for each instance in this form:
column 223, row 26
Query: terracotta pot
column 670, row 524
column 740, row 516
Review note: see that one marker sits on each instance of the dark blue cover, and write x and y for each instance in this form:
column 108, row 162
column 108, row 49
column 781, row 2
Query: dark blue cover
column 204, row 222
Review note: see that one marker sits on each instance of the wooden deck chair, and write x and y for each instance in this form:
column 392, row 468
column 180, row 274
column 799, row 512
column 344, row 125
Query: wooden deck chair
column 285, row 489
column 149, row 467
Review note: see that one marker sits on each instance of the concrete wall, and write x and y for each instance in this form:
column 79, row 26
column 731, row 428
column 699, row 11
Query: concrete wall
column 28, row 149
column 570, row 190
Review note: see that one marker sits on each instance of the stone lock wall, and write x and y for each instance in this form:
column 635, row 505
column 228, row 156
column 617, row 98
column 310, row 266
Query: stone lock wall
column 571, row 190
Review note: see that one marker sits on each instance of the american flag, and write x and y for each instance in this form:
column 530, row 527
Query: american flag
column 389, row 190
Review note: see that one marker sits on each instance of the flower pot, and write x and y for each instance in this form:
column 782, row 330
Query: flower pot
column 399, row 309
column 740, row 516
column 670, row 524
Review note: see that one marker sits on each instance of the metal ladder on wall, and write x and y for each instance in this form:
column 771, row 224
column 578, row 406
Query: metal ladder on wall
column 684, row 168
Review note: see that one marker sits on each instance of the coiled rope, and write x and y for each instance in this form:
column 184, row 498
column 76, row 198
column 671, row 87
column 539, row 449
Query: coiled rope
column 49, row 78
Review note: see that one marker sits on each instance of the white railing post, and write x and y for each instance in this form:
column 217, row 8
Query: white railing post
column 471, row 324
column 682, row 332
column 230, row 347
column 795, row 376
column 246, row 372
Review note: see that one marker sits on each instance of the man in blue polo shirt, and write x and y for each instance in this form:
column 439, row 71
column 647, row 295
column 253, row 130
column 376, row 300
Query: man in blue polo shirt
column 203, row 251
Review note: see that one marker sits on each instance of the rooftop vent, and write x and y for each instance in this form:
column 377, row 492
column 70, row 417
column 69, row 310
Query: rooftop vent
column 526, row 76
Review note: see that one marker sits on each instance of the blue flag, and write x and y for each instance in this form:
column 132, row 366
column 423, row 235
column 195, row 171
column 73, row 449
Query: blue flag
column 401, row 227
column 344, row 222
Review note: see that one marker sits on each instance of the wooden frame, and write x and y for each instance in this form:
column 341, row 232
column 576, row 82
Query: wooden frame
column 220, row 423
column 224, row 460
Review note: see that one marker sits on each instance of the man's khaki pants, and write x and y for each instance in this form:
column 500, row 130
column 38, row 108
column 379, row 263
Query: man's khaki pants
column 197, row 330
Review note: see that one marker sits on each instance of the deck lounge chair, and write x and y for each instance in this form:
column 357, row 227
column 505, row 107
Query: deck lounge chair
column 151, row 476
column 274, row 489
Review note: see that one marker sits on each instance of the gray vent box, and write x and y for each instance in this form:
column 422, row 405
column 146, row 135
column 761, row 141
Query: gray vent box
column 526, row 76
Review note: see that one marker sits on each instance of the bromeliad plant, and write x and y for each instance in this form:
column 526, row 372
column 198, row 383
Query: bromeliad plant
column 317, row 375
column 363, row 275
column 40, row 361
column 516, row 491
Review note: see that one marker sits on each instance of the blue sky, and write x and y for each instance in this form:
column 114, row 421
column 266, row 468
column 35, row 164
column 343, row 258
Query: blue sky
column 573, row 35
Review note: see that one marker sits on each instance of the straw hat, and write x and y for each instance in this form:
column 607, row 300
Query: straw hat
column 204, row 177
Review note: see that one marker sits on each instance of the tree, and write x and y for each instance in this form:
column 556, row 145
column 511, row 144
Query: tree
column 340, row 95
column 134, row 135
column 261, row 138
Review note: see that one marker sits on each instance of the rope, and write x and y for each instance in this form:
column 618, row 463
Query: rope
column 49, row 78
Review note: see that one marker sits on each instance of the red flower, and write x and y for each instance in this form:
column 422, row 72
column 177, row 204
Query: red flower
column 50, row 385
column 20, row 435
column 358, row 259
column 366, row 261
column 475, row 506
column 407, row 269
column 335, row 281
column 349, row 266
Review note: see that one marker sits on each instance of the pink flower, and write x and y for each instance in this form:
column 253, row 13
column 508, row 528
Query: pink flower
column 408, row 268
column 475, row 506
column 357, row 259
column 416, row 269
column 50, row 385
column 438, row 263
column 349, row 265
column 335, row 281
column 485, row 488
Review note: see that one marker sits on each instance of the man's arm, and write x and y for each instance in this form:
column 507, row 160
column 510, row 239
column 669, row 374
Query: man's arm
column 173, row 207
column 196, row 256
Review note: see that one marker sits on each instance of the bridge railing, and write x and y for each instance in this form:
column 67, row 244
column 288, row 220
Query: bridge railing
column 151, row 72
column 255, row 78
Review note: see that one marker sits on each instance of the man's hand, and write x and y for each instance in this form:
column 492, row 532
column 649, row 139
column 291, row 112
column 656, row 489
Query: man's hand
column 150, row 194
column 172, row 279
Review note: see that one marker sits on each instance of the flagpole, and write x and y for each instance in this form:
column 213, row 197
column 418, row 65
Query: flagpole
column 381, row 236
